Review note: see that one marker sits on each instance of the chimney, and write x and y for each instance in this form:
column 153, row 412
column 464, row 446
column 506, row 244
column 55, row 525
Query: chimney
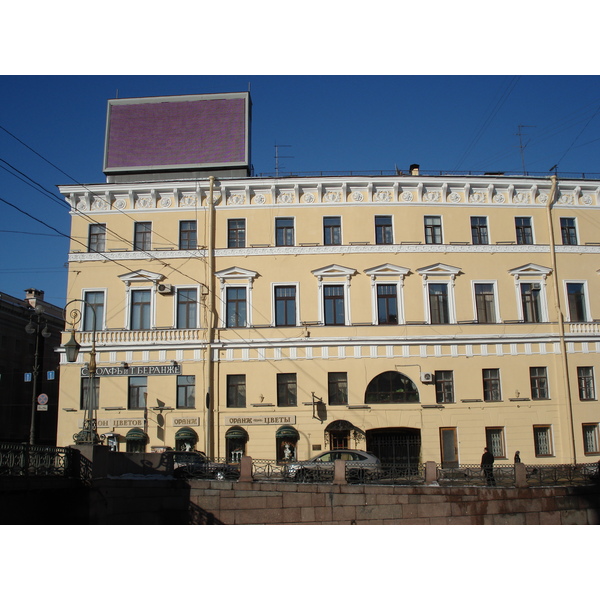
column 414, row 169
column 33, row 296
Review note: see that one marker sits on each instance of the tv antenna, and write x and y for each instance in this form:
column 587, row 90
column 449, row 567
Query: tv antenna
column 277, row 157
column 521, row 146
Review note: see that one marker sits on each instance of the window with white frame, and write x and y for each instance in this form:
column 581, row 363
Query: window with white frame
column 187, row 308
column 387, row 283
column 93, row 310
column 491, row 385
column 524, row 230
column 568, row 231
column 590, row 438
column 186, row 391
column 485, row 302
column 538, row 378
column 444, row 387
column 438, row 289
column 97, row 237
column 530, row 287
column 585, row 380
column 142, row 236
column 334, row 307
column 140, row 309
column 433, row 229
column 236, row 307
column 236, row 296
column 479, row 231
column 577, row 302
column 383, row 230
column 542, row 440
column 284, row 297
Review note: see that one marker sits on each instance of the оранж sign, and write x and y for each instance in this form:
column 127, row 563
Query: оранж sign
column 261, row 420
column 134, row 370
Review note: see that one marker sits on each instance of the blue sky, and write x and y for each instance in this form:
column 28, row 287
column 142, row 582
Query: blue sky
column 324, row 123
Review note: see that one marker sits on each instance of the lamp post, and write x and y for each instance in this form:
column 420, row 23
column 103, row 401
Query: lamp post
column 89, row 432
column 33, row 327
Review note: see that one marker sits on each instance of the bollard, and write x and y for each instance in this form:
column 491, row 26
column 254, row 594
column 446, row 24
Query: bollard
column 246, row 469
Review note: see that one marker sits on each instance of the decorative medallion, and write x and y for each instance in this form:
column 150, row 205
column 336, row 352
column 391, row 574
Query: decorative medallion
column 432, row 196
column 332, row 196
column 165, row 202
column 454, row 197
column 587, row 199
column 120, row 203
column 477, row 197
column 82, row 204
column 189, row 200
column 308, row 197
column 522, row 198
column 566, row 199
column 383, row 196
column 499, row 199
column 259, row 199
column 236, row 199
column 285, row 198
column 144, row 203
column 407, row 196
column 100, row 204
column 542, row 199
column 357, row 196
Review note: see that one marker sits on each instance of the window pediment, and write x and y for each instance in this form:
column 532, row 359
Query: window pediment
column 530, row 269
column 141, row 276
column 439, row 269
column 334, row 271
column 387, row 270
column 236, row 273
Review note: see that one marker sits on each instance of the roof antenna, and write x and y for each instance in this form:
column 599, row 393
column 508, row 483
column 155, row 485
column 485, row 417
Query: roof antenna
column 277, row 157
column 521, row 147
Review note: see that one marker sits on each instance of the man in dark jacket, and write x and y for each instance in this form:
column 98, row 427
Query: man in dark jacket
column 487, row 464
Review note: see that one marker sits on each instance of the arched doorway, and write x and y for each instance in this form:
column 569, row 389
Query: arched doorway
column 235, row 444
column 398, row 445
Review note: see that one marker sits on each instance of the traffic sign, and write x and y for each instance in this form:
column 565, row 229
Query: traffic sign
column 42, row 399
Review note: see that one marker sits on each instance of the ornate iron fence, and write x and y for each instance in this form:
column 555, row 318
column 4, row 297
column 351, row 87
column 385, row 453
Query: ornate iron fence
column 474, row 475
column 587, row 473
column 269, row 470
column 24, row 459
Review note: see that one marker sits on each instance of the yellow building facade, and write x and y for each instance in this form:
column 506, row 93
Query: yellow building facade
column 417, row 317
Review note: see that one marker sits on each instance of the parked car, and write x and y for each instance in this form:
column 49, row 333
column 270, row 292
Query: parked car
column 359, row 465
column 195, row 464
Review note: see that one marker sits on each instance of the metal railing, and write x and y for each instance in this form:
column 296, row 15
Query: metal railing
column 25, row 459
column 474, row 475
column 563, row 474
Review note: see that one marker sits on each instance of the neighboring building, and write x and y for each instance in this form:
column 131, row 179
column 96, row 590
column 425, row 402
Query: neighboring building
column 19, row 389
column 413, row 316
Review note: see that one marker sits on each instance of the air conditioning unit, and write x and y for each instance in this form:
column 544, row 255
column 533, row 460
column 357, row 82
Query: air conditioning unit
column 426, row 377
column 165, row 288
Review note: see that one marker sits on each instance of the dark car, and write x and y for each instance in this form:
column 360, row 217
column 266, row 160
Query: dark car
column 195, row 464
column 359, row 464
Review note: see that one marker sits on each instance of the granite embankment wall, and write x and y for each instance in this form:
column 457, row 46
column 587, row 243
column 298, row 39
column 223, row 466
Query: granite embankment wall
column 239, row 503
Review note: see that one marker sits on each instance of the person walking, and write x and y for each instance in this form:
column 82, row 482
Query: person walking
column 487, row 464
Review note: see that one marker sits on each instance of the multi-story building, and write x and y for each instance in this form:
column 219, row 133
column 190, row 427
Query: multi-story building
column 30, row 329
column 418, row 317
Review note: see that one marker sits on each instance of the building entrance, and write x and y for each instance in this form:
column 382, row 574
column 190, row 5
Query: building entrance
column 400, row 445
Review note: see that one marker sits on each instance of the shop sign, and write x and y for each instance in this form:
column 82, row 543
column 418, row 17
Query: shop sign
column 134, row 371
column 186, row 421
column 261, row 420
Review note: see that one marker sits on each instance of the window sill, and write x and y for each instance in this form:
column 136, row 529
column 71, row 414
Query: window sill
column 258, row 405
column 358, row 407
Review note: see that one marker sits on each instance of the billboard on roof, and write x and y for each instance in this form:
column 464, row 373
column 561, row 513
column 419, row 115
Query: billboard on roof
column 177, row 132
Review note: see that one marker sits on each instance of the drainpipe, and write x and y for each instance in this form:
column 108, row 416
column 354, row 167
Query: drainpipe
column 561, row 322
column 210, row 304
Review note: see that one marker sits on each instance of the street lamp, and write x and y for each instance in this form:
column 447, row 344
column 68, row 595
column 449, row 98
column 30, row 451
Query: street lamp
column 89, row 432
column 34, row 327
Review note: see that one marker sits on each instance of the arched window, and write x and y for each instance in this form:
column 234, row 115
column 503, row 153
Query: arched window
column 391, row 387
column 235, row 444
column 136, row 440
column 186, row 439
column 287, row 441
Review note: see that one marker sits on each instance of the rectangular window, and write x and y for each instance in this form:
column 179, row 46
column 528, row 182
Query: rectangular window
column 333, row 299
column 383, row 230
column 438, row 303
column 97, row 238
column 140, row 309
column 236, row 391
column 142, row 238
column 284, row 231
column 531, row 302
column 236, row 233
column 187, row 308
column 568, row 231
column 576, row 299
column 85, row 393
column 332, row 231
column 485, row 304
column 286, row 389
column 542, row 439
column 444, row 387
column 337, row 386
column 93, row 311
column 387, row 304
column 491, row 385
column 538, row 377
column 433, row 230
column 590, row 438
column 138, row 391
column 585, row 378
column 186, row 391
column 449, row 447
column 285, row 305
column 236, row 307
column 494, row 440
column 188, row 235
column 479, row 230
column 524, row 230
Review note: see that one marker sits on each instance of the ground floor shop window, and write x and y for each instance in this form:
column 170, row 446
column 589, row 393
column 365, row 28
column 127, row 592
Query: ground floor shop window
column 136, row 441
column 287, row 440
column 236, row 439
column 338, row 434
column 186, row 439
